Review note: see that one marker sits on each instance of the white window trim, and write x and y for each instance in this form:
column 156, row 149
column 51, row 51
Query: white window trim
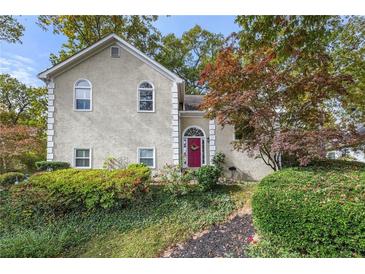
column 153, row 96
column 91, row 97
column 90, row 158
column 111, row 55
column 154, row 155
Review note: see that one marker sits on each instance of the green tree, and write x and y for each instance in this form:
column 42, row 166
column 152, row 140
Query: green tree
column 187, row 56
column 83, row 31
column 10, row 29
column 22, row 124
column 20, row 104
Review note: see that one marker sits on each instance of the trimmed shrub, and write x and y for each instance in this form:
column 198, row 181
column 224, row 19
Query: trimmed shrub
column 207, row 177
column 317, row 211
column 51, row 166
column 11, row 177
column 70, row 189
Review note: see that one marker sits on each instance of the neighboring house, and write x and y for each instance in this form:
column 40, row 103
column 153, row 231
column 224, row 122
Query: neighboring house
column 110, row 99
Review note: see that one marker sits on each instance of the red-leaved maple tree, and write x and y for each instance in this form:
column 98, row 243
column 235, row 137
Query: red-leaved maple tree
column 279, row 109
column 16, row 140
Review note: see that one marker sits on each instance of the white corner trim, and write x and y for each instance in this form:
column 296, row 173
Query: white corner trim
column 175, row 125
column 212, row 136
column 50, row 121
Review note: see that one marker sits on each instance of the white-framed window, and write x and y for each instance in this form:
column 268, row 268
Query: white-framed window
column 146, row 97
column 83, row 95
column 82, row 157
column 115, row 52
column 332, row 155
column 147, row 156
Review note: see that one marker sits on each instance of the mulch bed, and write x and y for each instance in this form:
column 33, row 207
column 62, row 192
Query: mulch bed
column 229, row 239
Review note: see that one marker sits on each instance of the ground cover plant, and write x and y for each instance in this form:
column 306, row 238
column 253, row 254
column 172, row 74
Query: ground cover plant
column 145, row 227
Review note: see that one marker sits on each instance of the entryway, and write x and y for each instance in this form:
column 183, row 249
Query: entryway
column 194, row 144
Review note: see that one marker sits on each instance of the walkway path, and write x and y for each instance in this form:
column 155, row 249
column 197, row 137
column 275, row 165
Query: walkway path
column 229, row 239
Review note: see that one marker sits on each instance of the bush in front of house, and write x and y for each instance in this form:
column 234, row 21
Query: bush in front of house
column 175, row 180
column 69, row 189
column 51, row 166
column 207, row 177
column 317, row 211
column 10, row 178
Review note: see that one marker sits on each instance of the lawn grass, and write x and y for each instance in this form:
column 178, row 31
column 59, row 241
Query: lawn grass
column 144, row 229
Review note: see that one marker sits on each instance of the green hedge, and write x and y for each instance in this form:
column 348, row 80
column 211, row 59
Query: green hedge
column 69, row 189
column 46, row 166
column 317, row 211
column 11, row 177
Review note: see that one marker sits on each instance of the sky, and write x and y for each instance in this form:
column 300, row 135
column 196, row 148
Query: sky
column 24, row 61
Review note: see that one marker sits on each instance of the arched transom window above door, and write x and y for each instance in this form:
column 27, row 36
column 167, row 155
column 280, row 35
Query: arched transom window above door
column 193, row 131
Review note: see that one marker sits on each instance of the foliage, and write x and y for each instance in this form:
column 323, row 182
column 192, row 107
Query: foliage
column 176, row 181
column 20, row 104
column 11, row 177
column 187, row 56
column 219, row 159
column 278, row 86
column 69, row 189
column 112, row 163
column 317, row 211
column 10, row 29
column 160, row 220
column 51, row 166
column 272, row 248
column 207, row 177
column 82, row 31
column 22, row 124
column 15, row 141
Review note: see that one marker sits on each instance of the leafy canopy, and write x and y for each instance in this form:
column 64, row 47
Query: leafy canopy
column 278, row 86
column 187, row 56
column 20, row 104
column 83, row 31
column 10, row 29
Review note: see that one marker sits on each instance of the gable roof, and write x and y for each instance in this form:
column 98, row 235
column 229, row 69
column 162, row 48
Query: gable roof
column 47, row 74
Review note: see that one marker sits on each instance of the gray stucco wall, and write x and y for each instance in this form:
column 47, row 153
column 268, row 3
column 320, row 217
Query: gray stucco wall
column 248, row 168
column 113, row 127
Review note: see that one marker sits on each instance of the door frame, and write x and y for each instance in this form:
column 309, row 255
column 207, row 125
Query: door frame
column 203, row 152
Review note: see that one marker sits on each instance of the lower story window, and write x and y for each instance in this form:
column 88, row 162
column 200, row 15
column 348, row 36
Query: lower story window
column 82, row 158
column 146, row 156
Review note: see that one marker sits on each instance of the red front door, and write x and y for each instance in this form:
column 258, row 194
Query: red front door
column 194, row 152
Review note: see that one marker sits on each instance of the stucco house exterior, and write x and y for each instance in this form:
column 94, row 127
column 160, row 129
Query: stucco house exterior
column 110, row 99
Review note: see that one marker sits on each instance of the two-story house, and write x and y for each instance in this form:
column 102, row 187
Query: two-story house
column 110, row 99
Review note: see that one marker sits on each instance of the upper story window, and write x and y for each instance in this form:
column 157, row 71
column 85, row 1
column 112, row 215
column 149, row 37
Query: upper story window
column 146, row 97
column 83, row 94
column 115, row 52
